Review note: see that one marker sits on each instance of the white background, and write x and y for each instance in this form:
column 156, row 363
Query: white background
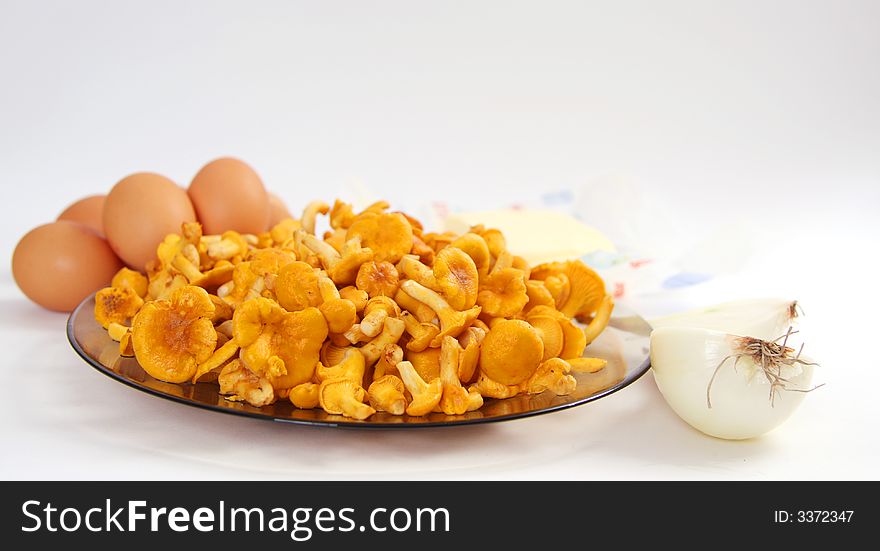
column 763, row 117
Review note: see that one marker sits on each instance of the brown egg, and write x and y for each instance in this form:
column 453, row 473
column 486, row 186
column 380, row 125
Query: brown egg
column 57, row 265
column 228, row 195
column 88, row 211
column 140, row 211
column 277, row 210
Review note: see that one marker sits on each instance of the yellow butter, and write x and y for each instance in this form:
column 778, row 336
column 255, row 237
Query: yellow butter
column 536, row 235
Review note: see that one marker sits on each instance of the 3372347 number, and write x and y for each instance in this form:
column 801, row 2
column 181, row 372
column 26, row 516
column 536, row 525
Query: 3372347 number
column 817, row 516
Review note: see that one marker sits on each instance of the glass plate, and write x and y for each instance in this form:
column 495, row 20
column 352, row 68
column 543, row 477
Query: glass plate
column 624, row 344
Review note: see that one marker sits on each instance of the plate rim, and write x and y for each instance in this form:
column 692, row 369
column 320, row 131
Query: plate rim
column 347, row 424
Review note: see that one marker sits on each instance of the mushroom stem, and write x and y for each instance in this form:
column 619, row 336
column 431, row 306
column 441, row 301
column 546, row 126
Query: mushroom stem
column 392, row 330
column 412, row 267
column 310, row 214
column 425, row 396
column 600, row 321
column 452, row 322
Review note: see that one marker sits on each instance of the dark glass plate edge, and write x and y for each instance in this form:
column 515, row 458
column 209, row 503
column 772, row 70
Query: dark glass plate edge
column 628, row 380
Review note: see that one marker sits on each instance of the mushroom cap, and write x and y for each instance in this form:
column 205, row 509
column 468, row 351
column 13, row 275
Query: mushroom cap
column 387, row 394
column 219, row 274
column 116, row 305
column 421, row 249
column 457, row 277
column 237, row 380
column 132, row 279
column 578, row 290
column 495, row 241
column 351, row 367
column 304, row 396
column 587, row 290
column 357, row 296
column 332, row 354
column 172, row 337
column 340, row 314
column 551, row 335
column 343, row 397
column 475, row 247
column 388, row 235
column 341, row 215
column 503, row 293
column 574, row 339
column 538, row 295
column 378, row 278
column 424, row 402
column 552, row 375
column 511, row 352
column 264, row 330
column 296, row 286
column 426, row 363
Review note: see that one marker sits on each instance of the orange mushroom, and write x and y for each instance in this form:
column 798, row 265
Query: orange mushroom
column 304, row 396
column 340, row 313
column 172, row 337
column 239, row 383
column 282, row 346
column 135, row 281
column 503, row 293
column 378, row 278
column 388, row 235
column 511, row 352
column 387, row 394
column 296, row 287
column 475, row 246
column 343, row 397
column 457, row 278
column 342, row 266
column 425, row 396
column 552, row 375
column 421, row 334
column 455, row 400
column 551, row 335
column 452, row 322
column 116, row 305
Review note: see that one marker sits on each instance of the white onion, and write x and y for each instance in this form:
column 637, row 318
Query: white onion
column 740, row 401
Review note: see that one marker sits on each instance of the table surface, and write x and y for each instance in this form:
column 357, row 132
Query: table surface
column 756, row 123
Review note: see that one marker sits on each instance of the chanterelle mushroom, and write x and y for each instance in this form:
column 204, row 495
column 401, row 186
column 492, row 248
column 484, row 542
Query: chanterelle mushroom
column 378, row 278
column 343, row 397
column 304, row 396
column 503, row 293
column 240, row 383
column 457, row 278
column 421, row 334
column 455, row 399
column 342, row 267
column 391, row 332
column 452, row 322
column 296, row 286
column 172, row 337
column 386, row 394
column 586, row 288
column 351, row 367
column 136, row 281
column 340, row 313
column 388, row 235
column 425, row 396
column 511, row 352
column 282, row 346
column 116, row 305
column 551, row 375
column 474, row 246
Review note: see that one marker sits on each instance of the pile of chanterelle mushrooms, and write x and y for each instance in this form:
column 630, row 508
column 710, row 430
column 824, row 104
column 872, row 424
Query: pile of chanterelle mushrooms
column 375, row 316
